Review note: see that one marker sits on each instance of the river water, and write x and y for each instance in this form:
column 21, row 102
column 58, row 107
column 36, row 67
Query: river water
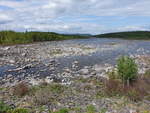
column 108, row 50
column 104, row 50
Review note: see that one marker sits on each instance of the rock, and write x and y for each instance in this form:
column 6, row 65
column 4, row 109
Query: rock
column 11, row 61
column 35, row 81
column 10, row 103
column 67, row 70
column 6, row 48
column 98, row 68
column 93, row 73
column 27, row 66
column 48, row 79
column 23, row 54
column 75, row 62
column 84, row 71
column 9, row 76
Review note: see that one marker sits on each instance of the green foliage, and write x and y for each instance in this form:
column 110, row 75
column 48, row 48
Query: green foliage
column 128, row 35
column 112, row 74
column 77, row 109
column 7, row 109
column 4, row 108
column 18, row 110
column 56, row 88
column 103, row 110
column 11, row 37
column 63, row 110
column 127, row 69
column 145, row 111
column 147, row 74
column 91, row 109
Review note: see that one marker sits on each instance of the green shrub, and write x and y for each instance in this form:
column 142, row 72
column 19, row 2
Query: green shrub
column 112, row 74
column 4, row 108
column 18, row 110
column 103, row 110
column 63, row 110
column 56, row 88
column 127, row 69
column 91, row 109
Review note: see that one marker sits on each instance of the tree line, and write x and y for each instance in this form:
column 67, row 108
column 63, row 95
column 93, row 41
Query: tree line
column 12, row 37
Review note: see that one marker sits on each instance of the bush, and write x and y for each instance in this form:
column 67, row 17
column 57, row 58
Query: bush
column 91, row 109
column 112, row 74
column 127, row 69
column 56, row 88
column 43, row 96
column 20, row 89
column 4, row 108
column 64, row 110
column 18, row 110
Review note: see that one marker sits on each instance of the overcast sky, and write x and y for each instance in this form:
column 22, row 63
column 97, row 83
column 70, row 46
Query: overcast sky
column 75, row 16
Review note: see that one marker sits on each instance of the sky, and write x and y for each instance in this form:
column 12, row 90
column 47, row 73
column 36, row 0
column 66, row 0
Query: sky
column 75, row 16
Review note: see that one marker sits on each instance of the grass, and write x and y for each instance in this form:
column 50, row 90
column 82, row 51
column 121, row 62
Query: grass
column 127, row 35
column 4, row 108
column 56, row 52
column 18, row 110
column 47, row 93
column 7, row 109
column 63, row 110
column 90, row 109
column 103, row 110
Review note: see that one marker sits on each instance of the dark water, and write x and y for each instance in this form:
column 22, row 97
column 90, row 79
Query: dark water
column 108, row 51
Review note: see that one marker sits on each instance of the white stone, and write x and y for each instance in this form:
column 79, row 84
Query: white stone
column 84, row 71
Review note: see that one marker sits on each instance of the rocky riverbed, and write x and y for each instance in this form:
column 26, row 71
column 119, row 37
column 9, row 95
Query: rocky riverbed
column 63, row 62
column 60, row 61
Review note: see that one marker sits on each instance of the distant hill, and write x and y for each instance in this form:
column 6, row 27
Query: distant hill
column 127, row 35
column 78, row 34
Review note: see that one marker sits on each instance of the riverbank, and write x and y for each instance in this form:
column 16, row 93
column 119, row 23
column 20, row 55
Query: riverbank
column 83, row 95
column 74, row 92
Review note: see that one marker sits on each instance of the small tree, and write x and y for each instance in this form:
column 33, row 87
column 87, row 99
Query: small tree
column 127, row 69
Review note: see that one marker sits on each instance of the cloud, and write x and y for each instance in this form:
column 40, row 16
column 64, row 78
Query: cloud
column 71, row 16
column 5, row 19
